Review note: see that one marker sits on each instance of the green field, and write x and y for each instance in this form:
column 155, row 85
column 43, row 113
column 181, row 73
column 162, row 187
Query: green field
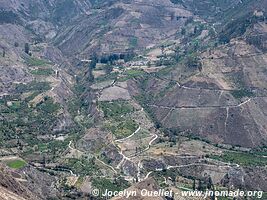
column 48, row 105
column 36, row 62
column 134, row 72
column 245, row 159
column 16, row 164
column 42, row 72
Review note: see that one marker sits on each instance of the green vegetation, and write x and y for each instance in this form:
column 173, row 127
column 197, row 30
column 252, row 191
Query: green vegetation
column 133, row 41
column 79, row 108
column 63, row 10
column 119, row 184
column 9, row 17
column 83, row 166
column 176, row 1
column 168, row 87
column 16, row 164
column 245, row 159
column 132, row 73
column 15, row 105
column 123, row 128
column 27, row 48
column 33, row 86
column 242, row 93
column 24, row 122
column 165, row 71
column 110, row 76
column 238, row 25
column 193, row 62
column 116, row 108
column 32, row 96
column 36, row 62
column 48, row 105
column 42, row 72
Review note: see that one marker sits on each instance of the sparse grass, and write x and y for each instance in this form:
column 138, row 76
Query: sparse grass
column 122, row 129
column 164, row 71
column 110, row 76
column 32, row 96
column 168, row 87
column 16, row 164
column 141, row 135
column 42, row 147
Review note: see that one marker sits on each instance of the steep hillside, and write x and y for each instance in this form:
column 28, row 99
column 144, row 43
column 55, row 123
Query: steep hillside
column 122, row 27
column 26, row 184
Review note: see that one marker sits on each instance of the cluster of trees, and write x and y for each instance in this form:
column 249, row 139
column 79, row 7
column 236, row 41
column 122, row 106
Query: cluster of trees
column 8, row 17
column 177, row 1
column 4, row 52
column 193, row 62
column 27, row 48
column 109, row 59
column 198, row 29
column 204, row 184
column 258, row 41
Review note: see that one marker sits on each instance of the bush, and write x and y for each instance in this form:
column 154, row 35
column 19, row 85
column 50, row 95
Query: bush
column 242, row 93
column 193, row 62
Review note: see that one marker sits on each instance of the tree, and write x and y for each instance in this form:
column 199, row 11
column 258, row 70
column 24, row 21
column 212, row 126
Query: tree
column 183, row 31
column 194, row 184
column 200, row 186
column 172, row 16
column 193, row 62
column 93, row 62
column 162, row 49
column 210, row 183
column 195, row 30
column 4, row 52
column 19, row 144
column 128, row 56
column 213, row 196
column 108, row 69
column 27, row 48
column 44, row 161
column 212, row 33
